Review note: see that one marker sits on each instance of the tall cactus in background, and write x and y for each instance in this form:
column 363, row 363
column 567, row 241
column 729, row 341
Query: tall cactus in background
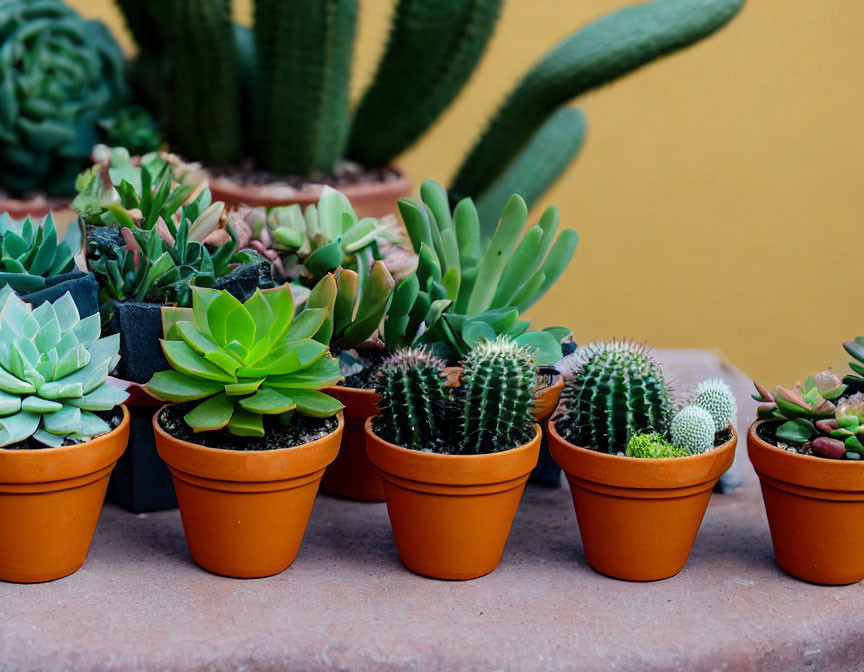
column 433, row 48
column 597, row 54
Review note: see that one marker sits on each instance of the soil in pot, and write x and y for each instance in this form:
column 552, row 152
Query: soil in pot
column 50, row 500
column 245, row 502
column 451, row 514
column 815, row 509
column 638, row 518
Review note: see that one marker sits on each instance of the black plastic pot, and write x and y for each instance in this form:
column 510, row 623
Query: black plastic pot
column 547, row 472
column 82, row 286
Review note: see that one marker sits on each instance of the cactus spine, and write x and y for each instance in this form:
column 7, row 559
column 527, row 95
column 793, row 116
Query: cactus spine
column 716, row 397
column 497, row 391
column 433, row 48
column 692, row 429
column 614, row 390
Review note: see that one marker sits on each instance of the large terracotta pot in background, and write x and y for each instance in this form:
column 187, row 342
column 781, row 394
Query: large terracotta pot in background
column 639, row 517
column 244, row 512
column 371, row 199
column 815, row 509
column 351, row 475
column 50, row 500
column 36, row 206
column 451, row 514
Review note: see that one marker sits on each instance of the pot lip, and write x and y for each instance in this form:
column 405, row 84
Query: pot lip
column 37, row 205
column 364, row 391
column 61, row 451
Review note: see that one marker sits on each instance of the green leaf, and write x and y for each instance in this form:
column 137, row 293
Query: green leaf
column 64, row 421
column 34, row 404
column 325, row 259
column 268, row 402
column 517, row 271
column 177, row 387
column 373, row 304
column 243, row 423
column 184, row 359
column 212, row 414
column 545, row 347
column 315, row 404
column 103, row 398
column 243, row 387
column 16, row 428
column 307, row 324
column 323, row 373
column 796, row 431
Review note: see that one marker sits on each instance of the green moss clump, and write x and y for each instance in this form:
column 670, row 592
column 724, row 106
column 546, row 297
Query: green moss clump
column 652, row 445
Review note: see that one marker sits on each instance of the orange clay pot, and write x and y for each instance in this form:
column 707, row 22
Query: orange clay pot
column 639, row 517
column 244, row 512
column 36, row 206
column 50, row 500
column 451, row 514
column 351, row 475
column 815, row 509
column 546, row 400
column 371, row 199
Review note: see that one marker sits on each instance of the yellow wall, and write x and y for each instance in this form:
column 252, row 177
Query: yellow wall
column 719, row 194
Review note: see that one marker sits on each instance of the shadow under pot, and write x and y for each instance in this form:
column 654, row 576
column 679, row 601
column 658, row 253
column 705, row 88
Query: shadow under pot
column 352, row 475
column 451, row 514
column 815, row 509
column 244, row 512
column 638, row 517
column 50, row 500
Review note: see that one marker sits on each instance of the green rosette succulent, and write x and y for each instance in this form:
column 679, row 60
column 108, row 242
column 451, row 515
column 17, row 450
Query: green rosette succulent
column 59, row 76
column 244, row 361
column 31, row 252
column 53, row 367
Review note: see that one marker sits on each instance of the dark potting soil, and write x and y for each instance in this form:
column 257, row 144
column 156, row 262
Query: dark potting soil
column 276, row 435
column 113, row 418
column 347, row 173
column 722, row 437
column 365, row 378
column 768, row 433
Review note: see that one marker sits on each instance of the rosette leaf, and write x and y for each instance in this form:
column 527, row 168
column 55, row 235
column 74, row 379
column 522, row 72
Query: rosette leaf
column 30, row 252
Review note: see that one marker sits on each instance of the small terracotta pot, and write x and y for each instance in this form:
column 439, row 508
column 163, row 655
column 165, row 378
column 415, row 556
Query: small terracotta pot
column 371, row 199
column 546, row 399
column 815, row 509
column 351, row 475
column 451, row 514
column 639, row 517
column 50, row 500
column 244, row 512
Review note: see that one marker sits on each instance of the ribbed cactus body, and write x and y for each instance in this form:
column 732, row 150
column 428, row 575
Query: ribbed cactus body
column 433, row 48
column 614, row 390
column 497, row 391
column 305, row 48
column 411, row 388
column 595, row 55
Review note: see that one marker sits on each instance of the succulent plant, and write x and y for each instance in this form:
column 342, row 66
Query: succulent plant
column 133, row 129
column 31, row 252
column 59, row 77
column 53, row 367
column 243, row 361
column 612, row 391
column 716, row 397
column 855, row 348
column 692, row 428
column 410, row 383
column 652, row 446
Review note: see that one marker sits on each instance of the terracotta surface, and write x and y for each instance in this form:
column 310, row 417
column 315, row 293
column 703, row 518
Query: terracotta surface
column 351, row 475
column 244, row 512
column 639, row 517
column 547, row 399
column 815, row 509
column 50, row 501
column 369, row 200
column 451, row 514
column 37, row 206
column 140, row 603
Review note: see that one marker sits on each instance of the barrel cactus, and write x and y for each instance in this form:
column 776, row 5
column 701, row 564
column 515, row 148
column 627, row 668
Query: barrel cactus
column 53, row 366
column 59, row 77
column 716, row 397
column 692, row 429
column 612, row 391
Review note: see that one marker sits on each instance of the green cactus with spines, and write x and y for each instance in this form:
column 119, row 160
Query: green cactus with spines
column 716, row 397
column 410, row 383
column 497, row 393
column 692, row 429
column 433, row 48
column 597, row 54
column 612, row 391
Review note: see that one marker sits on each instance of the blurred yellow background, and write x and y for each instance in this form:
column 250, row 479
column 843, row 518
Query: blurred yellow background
column 718, row 196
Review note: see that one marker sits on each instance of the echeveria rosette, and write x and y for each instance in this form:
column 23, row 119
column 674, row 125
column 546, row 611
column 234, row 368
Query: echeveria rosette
column 53, row 367
column 30, row 252
column 243, row 361
column 59, row 76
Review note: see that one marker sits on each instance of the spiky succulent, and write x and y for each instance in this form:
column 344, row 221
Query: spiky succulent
column 652, row 446
column 410, row 383
column 243, row 361
column 716, row 397
column 692, row 428
column 32, row 252
column 612, row 391
column 53, row 367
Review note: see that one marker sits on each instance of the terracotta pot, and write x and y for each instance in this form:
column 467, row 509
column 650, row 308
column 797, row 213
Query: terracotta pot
column 372, row 199
column 36, row 206
column 451, row 514
column 815, row 509
column 639, row 517
column 244, row 512
column 546, row 399
column 50, row 500
column 351, row 475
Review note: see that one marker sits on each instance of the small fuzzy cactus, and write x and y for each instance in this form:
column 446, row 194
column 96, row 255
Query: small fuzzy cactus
column 613, row 391
column 411, row 386
column 498, row 395
column 716, row 397
column 652, row 446
column 692, row 429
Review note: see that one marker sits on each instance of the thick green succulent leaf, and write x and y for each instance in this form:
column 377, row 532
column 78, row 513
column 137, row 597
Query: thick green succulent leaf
column 307, row 324
column 323, row 373
column 323, row 295
column 243, row 423
column 796, row 431
column 48, row 439
column 175, row 386
column 545, row 348
column 62, row 422
column 103, row 398
column 268, row 401
column 315, row 404
column 18, row 427
column 376, row 298
column 517, row 271
column 90, row 425
column 186, row 360
column 10, row 403
column 243, row 387
column 34, row 404
column 211, row 414
column 285, row 357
